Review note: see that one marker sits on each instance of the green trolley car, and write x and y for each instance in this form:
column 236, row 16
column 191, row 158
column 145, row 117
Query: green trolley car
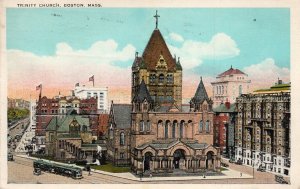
column 56, row 168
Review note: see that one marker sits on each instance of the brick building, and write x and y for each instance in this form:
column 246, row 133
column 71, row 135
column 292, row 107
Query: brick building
column 156, row 133
column 47, row 108
column 224, row 121
column 262, row 131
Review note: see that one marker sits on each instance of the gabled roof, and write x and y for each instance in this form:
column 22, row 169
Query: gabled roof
column 223, row 109
column 63, row 123
column 200, row 94
column 167, row 144
column 157, row 46
column 122, row 115
column 231, row 71
column 142, row 93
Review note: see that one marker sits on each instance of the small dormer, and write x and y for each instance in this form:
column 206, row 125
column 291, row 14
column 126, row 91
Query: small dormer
column 74, row 127
column 161, row 64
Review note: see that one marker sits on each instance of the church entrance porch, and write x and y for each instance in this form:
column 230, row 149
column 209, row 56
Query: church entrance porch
column 179, row 159
column 148, row 157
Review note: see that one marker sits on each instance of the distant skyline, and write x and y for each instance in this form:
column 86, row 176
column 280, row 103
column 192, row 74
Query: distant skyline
column 60, row 47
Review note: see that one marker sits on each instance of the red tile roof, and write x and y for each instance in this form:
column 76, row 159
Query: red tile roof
column 155, row 47
column 231, row 71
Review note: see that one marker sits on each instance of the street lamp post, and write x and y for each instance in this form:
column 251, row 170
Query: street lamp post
column 253, row 168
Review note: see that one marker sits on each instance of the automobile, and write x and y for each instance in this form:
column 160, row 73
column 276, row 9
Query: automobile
column 261, row 169
column 280, row 179
column 224, row 164
column 231, row 161
column 10, row 157
column 239, row 162
column 37, row 171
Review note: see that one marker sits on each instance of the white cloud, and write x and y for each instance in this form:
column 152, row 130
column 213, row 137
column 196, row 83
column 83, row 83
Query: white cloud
column 68, row 66
column 266, row 73
column 176, row 37
column 192, row 53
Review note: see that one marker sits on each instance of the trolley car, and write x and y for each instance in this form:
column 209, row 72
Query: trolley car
column 56, row 168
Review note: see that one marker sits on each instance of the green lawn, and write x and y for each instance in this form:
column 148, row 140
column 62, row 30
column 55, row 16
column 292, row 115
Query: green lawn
column 224, row 169
column 110, row 168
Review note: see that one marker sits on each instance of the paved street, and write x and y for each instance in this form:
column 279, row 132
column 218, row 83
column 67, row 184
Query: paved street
column 21, row 171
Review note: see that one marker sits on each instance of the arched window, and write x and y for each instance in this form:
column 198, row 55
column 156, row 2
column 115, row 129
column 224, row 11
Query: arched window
column 207, row 126
column 141, row 126
column 200, row 126
column 152, row 78
column 122, row 139
column 161, row 78
column 181, row 129
column 148, row 126
column 169, row 78
column 240, row 90
column 166, row 129
column 173, row 129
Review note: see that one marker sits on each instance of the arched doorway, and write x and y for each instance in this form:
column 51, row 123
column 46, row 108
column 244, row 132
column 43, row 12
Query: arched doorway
column 178, row 157
column 209, row 160
column 148, row 157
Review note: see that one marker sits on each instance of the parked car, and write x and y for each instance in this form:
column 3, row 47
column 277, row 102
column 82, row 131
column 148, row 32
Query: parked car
column 261, row 169
column 10, row 157
column 239, row 162
column 232, row 160
column 224, row 164
column 280, row 179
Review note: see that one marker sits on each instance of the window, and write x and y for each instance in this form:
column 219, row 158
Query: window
column 95, row 95
column 141, row 126
column 166, row 129
column 200, row 126
column 181, row 129
column 88, row 95
column 173, row 129
column 161, row 78
column 148, row 125
column 152, row 78
column 169, row 78
column 207, row 126
column 122, row 139
column 122, row 155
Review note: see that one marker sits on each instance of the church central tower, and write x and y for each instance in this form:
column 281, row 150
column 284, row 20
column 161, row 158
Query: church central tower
column 161, row 72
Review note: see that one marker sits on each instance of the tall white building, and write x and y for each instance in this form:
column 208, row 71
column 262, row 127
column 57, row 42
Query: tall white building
column 101, row 93
column 229, row 85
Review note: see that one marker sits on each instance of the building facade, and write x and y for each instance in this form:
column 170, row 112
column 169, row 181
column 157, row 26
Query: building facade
column 161, row 134
column 18, row 103
column 224, row 125
column 47, row 108
column 262, row 132
column 229, row 85
column 100, row 93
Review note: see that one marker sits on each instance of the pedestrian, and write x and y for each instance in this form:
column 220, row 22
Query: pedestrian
column 150, row 175
column 241, row 174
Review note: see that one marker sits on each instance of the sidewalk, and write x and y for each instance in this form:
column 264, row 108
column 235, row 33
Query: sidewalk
column 228, row 174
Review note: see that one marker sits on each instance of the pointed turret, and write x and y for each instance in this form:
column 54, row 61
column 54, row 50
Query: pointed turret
column 199, row 97
column 142, row 94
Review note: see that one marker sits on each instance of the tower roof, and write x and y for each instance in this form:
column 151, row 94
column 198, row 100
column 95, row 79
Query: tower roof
column 231, row 71
column 157, row 46
column 142, row 93
column 201, row 93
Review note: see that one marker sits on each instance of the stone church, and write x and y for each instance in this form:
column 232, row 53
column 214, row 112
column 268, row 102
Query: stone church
column 156, row 133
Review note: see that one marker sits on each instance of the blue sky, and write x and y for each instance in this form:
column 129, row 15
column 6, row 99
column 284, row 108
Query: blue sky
column 253, row 35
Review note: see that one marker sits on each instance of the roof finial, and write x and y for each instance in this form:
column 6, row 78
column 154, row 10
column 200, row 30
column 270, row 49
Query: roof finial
column 156, row 17
column 231, row 67
column 200, row 78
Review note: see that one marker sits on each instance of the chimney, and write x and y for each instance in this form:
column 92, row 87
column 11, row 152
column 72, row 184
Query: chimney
column 227, row 105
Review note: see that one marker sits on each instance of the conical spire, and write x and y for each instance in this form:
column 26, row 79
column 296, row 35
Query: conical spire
column 142, row 93
column 201, row 93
